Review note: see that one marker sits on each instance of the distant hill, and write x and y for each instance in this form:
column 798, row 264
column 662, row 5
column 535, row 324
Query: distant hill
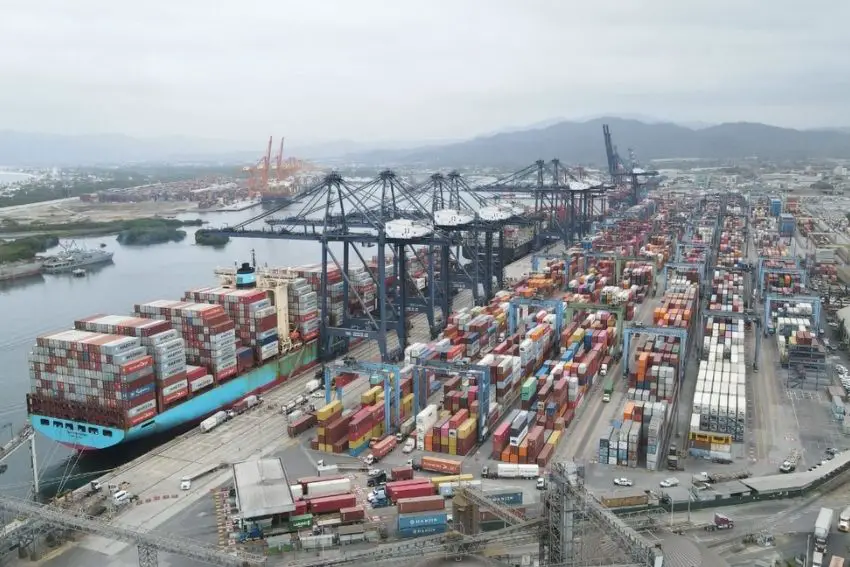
column 582, row 142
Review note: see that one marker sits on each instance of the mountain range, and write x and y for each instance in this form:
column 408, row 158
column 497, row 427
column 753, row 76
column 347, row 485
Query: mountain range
column 571, row 141
column 582, row 142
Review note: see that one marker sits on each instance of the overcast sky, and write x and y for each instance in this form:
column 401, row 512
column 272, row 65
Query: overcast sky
column 414, row 70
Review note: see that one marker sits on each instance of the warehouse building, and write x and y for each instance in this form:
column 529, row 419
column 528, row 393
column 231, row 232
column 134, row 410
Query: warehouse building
column 262, row 489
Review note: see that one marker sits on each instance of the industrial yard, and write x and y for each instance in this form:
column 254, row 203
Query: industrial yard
column 661, row 381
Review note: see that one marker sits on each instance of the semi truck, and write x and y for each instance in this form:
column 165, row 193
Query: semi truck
column 608, row 389
column 822, row 526
column 213, row 421
column 510, row 470
column 789, row 465
column 246, row 403
column 720, row 522
column 606, row 365
column 435, row 464
column 406, row 429
column 715, row 477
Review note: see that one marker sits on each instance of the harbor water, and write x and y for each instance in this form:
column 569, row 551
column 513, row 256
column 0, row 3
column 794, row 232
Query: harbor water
column 51, row 302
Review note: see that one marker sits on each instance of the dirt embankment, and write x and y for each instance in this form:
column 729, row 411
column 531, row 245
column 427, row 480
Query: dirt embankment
column 76, row 211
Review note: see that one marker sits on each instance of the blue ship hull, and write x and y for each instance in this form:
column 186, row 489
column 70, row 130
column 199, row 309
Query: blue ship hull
column 88, row 436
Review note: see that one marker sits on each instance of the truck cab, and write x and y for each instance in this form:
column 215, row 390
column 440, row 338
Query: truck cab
column 409, row 446
column 370, row 460
column 787, row 467
column 541, row 483
column 606, row 397
column 377, row 477
column 720, row 522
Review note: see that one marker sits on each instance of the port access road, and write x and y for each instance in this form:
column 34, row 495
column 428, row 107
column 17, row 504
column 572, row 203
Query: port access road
column 259, row 432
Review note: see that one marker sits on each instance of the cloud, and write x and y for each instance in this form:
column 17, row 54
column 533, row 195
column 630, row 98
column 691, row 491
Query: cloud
column 383, row 69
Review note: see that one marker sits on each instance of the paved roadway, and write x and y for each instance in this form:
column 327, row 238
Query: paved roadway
column 256, row 433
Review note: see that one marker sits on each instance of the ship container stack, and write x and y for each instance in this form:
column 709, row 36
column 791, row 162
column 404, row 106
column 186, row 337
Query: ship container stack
column 207, row 330
column 161, row 342
column 635, row 440
column 422, row 524
column 307, row 321
column 775, row 207
column 99, row 378
column 784, row 284
column 453, row 434
column 719, row 412
column 254, row 317
column 333, row 423
column 731, row 250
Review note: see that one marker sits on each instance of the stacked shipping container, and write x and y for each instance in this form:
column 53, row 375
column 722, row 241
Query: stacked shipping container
column 103, row 378
column 207, row 330
column 254, row 317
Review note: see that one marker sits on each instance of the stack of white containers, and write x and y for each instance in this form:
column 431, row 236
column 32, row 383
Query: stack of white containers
column 425, row 421
column 654, row 435
column 572, row 389
column 169, row 353
column 363, row 286
column 720, row 394
column 303, row 307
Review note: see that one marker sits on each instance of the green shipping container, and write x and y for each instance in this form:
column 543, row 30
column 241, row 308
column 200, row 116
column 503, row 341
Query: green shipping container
column 301, row 522
column 529, row 387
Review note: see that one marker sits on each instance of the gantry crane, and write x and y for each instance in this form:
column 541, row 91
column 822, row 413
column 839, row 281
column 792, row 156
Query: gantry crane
column 148, row 544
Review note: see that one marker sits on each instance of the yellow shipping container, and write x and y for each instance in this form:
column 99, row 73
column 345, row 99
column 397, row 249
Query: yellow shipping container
column 407, row 400
column 379, row 399
column 445, row 413
column 321, row 431
column 554, row 438
column 378, row 430
column 368, row 397
column 357, row 443
column 466, row 428
column 328, row 410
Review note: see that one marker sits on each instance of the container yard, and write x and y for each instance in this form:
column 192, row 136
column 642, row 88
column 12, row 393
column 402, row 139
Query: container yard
column 618, row 351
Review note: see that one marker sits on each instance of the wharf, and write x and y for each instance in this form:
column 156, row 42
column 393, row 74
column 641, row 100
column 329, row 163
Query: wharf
column 155, row 477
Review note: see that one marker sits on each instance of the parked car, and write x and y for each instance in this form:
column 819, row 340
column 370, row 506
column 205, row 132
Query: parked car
column 669, row 482
column 623, row 482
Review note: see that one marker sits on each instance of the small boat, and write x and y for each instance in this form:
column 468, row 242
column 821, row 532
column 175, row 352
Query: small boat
column 79, row 273
column 103, row 244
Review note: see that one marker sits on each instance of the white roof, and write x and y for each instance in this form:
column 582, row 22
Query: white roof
column 403, row 229
column 638, row 171
column 262, row 488
column 453, row 217
column 579, row 186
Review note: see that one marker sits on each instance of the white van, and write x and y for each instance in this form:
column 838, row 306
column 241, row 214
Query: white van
column 121, row 497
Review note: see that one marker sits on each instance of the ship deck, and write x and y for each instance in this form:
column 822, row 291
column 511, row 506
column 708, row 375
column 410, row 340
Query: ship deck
column 156, row 475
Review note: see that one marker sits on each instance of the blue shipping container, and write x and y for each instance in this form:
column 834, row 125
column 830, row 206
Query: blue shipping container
column 141, row 391
column 506, row 498
column 421, row 520
column 422, row 531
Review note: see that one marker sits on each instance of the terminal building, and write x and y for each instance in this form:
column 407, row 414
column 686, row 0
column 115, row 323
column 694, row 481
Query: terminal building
column 262, row 490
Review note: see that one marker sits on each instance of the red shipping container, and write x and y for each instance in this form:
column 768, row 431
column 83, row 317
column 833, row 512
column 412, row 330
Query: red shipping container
column 332, row 503
column 545, row 455
column 401, row 473
column 411, row 491
column 421, row 504
column 355, row 514
column 412, row 482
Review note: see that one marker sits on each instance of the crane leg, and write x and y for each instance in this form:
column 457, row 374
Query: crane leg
column 147, row 556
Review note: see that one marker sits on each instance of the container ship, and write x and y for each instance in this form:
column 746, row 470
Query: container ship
column 517, row 244
column 113, row 379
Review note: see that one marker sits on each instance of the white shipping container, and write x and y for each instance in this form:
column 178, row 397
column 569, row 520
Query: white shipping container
column 329, row 487
column 140, row 409
column 201, row 382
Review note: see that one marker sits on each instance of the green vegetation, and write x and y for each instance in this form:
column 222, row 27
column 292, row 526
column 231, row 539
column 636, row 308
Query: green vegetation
column 206, row 238
column 76, row 182
column 25, row 248
column 91, row 228
column 154, row 231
